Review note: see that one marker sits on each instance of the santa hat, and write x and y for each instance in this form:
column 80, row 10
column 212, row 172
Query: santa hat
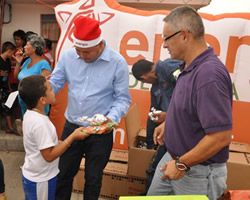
column 87, row 32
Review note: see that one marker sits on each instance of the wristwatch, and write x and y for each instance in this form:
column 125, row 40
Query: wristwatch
column 181, row 166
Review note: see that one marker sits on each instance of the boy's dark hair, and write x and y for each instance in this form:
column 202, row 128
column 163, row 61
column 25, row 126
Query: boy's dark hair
column 141, row 67
column 8, row 45
column 19, row 33
column 31, row 89
column 48, row 43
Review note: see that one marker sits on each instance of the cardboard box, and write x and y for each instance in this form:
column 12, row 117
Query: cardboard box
column 115, row 181
column 238, row 165
column 171, row 197
column 119, row 155
column 138, row 158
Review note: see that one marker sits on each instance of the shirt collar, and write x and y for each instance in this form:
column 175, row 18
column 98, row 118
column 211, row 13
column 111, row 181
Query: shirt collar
column 198, row 59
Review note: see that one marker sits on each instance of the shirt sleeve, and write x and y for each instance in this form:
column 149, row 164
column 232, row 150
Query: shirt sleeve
column 214, row 107
column 121, row 92
column 45, row 65
column 58, row 76
column 43, row 137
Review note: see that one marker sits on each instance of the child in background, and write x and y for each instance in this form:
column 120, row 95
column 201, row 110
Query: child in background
column 8, row 50
column 40, row 140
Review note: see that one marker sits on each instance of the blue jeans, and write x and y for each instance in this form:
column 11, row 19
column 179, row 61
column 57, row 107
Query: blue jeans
column 200, row 180
column 150, row 132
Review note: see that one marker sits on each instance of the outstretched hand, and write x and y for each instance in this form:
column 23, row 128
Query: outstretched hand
column 79, row 134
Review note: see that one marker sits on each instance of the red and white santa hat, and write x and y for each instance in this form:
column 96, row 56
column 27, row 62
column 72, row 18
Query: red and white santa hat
column 87, row 32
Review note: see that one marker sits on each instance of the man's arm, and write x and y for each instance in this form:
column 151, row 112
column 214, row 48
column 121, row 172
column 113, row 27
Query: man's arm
column 210, row 145
column 121, row 92
column 207, row 147
column 58, row 76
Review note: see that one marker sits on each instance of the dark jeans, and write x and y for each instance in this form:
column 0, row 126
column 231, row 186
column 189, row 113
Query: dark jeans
column 97, row 149
column 150, row 133
column 2, row 185
column 160, row 151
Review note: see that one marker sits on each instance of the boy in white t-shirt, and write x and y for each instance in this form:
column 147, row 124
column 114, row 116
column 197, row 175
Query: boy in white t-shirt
column 40, row 140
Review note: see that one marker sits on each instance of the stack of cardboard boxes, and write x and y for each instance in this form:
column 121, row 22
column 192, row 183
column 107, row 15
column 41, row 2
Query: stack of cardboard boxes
column 238, row 166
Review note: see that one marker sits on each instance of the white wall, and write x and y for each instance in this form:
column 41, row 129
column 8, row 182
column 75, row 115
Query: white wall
column 226, row 6
column 26, row 17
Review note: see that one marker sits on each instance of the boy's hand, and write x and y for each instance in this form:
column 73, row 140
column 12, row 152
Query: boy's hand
column 79, row 134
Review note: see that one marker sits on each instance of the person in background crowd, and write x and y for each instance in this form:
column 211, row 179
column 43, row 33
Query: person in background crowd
column 162, row 76
column 198, row 129
column 19, row 39
column 2, row 184
column 35, row 64
column 40, row 140
column 98, row 81
column 8, row 50
column 47, row 55
column 27, row 34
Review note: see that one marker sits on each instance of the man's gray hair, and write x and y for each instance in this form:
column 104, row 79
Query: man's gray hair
column 37, row 42
column 186, row 17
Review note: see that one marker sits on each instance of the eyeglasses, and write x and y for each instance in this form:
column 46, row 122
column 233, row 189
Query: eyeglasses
column 167, row 38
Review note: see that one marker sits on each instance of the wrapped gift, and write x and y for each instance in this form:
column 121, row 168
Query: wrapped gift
column 100, row 129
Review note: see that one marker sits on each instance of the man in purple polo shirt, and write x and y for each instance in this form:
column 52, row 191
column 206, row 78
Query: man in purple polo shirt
column 197, row 131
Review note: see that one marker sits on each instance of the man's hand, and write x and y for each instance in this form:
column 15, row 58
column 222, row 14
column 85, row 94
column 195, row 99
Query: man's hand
column 171, row 171
column 159, row 134
column 161, row 117
column 107, row 121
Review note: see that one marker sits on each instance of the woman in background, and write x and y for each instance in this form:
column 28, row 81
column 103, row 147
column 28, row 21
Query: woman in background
column 35, row 64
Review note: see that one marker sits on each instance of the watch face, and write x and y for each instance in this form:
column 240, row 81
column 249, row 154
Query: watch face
column 181, row 166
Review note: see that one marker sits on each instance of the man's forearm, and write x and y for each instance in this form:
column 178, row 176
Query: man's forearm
column 210, row 145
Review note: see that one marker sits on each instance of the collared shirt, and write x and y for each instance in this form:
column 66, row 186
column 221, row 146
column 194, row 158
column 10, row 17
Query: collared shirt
column 201, row 104
column 162, row 91
column 100, row 87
